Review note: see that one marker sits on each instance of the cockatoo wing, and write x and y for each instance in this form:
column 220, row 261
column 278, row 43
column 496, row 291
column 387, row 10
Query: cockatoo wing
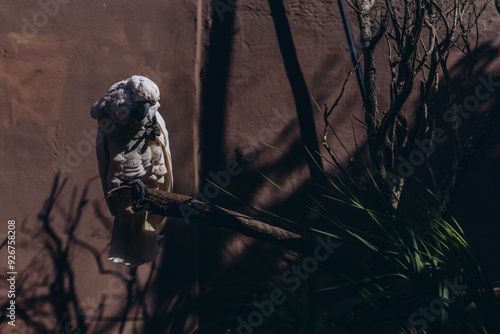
column 158, row 222
column 103, row 163
column 168, row 185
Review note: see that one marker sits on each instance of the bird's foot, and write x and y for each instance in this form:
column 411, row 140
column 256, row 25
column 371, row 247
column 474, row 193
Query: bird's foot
column 140, row 190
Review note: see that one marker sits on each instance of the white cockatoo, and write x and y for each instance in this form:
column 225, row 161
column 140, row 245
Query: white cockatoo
column 132, row 149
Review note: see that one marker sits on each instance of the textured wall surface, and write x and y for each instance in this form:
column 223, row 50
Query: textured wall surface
column 231, row 79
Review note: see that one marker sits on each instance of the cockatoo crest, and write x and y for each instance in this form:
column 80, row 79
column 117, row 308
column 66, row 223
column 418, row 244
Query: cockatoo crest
column 131, row 100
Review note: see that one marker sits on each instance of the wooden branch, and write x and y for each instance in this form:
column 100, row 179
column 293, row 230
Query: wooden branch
column 380, row 32
column 182, row 206
column 372, row 116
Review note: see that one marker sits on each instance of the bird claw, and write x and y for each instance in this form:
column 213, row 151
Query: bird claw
column 140, row 190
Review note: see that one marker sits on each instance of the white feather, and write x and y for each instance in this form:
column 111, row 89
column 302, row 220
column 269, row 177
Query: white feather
column 124, row 154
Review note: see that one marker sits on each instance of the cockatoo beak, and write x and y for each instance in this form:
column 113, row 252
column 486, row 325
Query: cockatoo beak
column 140, row 110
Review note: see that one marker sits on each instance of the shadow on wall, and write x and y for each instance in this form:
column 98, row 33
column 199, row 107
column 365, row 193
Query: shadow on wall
column 476, row 197
column 248, row 266
column 47, row 297
column 260, row 260
column 164, row 300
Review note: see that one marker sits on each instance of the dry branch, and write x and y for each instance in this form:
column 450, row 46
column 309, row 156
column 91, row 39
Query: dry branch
column 420, row 36
column 482, row 132
column 177, row 205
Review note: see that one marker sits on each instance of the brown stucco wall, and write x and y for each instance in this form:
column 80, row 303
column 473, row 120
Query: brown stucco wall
column 228, row 84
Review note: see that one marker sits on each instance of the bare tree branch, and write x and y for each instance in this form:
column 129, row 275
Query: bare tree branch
column 327, row 114
column 466, row 153
column 420, row 36
column 177, row 205
column 372, row 116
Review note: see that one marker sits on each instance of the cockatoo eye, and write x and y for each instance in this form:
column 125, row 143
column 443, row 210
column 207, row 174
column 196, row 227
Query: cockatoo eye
column 132, row 93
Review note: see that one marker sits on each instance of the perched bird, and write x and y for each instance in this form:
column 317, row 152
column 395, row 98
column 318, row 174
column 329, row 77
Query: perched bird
column 132, row 149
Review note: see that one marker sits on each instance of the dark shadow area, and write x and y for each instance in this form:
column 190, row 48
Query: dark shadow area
column 230, row 286
column 298, row 85
column 48, row 299
column 212, row 127
column 174, row 288
column 189, row 252
column 476, row 195
column 214, row 78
